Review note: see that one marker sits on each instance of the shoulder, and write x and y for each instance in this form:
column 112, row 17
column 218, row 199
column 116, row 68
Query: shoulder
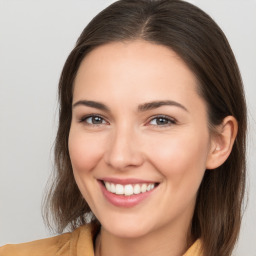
column 62, row 245
column 48, row 246
column 195, row 249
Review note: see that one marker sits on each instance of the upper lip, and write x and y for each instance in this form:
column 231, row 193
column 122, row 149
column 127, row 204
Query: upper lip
column 126, row 181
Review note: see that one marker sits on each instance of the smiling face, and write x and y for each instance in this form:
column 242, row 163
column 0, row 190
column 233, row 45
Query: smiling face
column 138, row 124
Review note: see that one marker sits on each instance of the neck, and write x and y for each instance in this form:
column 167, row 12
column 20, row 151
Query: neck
column 162, row 242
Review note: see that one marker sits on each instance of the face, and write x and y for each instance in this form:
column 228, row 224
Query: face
column 139, row 139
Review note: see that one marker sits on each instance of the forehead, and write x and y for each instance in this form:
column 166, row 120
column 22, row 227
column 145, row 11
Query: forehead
column 136, row 58
column 135, row 71
column 127, row 53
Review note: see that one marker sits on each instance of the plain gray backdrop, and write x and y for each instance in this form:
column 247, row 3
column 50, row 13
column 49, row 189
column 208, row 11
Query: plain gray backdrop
column 35, row 39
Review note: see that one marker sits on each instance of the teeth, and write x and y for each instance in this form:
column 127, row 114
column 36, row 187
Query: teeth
column 112, row 188
column 144, row 188
column 119, row 189
column 136, row 189
column 108, row 186
column 128, row 189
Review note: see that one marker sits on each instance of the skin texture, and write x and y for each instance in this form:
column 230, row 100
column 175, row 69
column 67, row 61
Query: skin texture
column 128, row 142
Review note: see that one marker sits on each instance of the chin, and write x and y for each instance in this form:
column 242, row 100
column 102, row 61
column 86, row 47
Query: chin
column 127, row 229
column 128, row 232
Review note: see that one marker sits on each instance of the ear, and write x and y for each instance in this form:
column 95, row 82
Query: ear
column 222, row 142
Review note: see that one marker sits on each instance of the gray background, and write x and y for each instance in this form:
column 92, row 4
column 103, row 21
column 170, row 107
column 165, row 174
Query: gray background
column 35, row 39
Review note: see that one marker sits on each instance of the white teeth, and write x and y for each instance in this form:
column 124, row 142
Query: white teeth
column 112, row 188
column 128, row 189
column 108, row 186
column 119, row 189
column 136, row 189
column 144, row 188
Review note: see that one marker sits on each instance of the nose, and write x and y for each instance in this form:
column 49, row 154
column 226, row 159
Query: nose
column 124, row 149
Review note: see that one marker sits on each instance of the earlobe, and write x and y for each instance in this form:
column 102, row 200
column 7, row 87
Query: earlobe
column 222, row 142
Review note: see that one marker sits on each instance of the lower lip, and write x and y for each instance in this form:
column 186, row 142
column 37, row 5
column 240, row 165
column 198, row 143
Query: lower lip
column 125, row 201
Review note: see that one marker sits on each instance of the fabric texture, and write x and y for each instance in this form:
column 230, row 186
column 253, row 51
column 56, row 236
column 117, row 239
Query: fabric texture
column 77, row 243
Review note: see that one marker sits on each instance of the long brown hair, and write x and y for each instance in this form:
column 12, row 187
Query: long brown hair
column 198, row 40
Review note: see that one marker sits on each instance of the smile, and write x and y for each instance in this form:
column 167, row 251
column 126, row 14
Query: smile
column 127, row 193
column 129, row 189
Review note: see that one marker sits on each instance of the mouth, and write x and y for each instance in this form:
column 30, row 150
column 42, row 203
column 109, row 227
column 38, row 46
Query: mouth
column 127, row 192
column 128, row 189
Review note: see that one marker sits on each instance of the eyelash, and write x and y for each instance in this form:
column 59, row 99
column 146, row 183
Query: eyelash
column 170, row 121
column 83, row 119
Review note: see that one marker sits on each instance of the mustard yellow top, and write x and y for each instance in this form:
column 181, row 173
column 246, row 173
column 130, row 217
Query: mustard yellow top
column 77, row 243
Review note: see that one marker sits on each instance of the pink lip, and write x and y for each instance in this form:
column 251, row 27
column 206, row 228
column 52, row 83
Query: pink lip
column 122, row 200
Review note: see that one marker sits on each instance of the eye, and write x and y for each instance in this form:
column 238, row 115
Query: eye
column 93, row 120
column 162, row 121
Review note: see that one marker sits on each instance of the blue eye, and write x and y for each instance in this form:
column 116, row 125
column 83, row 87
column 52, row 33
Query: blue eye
column 93, row 120
column 161, row 121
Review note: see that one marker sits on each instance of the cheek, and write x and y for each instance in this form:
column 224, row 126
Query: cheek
column 181, row 160
column 85, row 151
column 181, row 155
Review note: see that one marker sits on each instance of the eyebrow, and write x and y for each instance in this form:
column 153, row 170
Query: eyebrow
column 157, row 104
column 141, row 108
column 92, row 104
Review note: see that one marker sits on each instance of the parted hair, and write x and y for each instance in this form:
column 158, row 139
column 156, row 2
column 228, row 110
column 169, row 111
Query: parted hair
column 202, row 45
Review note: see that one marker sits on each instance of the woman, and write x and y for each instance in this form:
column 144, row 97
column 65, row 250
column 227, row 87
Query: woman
column 150, row 150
